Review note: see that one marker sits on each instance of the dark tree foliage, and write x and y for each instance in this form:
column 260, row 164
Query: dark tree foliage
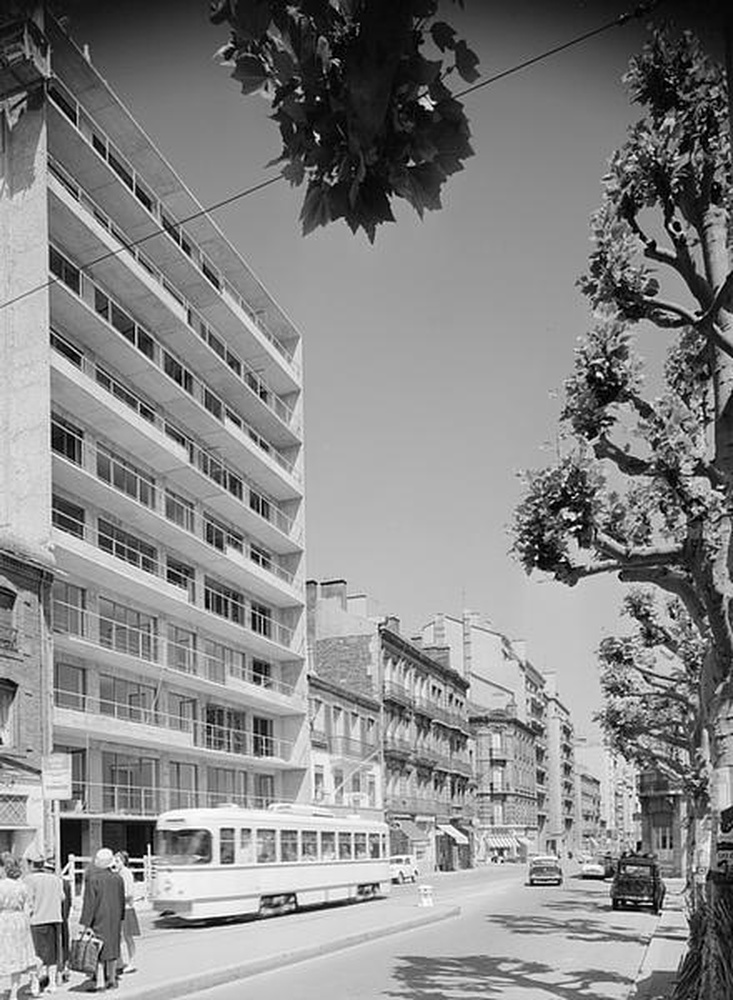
column 359, row 91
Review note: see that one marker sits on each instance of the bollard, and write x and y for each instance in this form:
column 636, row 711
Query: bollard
column 425, row 895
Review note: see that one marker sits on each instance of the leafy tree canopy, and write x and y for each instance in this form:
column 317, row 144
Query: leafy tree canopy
column 359, row 91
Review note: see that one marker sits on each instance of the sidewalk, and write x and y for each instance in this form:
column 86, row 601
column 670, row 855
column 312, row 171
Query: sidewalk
column 658, row 971
column 174, row 962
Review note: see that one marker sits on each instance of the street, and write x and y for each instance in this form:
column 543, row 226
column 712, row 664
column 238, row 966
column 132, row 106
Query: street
column 510, row 941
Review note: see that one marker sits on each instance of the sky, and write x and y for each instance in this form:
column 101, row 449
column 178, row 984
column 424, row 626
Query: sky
column 434, row 359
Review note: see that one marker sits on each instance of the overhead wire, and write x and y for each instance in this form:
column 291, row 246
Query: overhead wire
column 641, row 10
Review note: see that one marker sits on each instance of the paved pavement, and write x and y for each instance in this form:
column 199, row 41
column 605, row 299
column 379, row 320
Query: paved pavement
column 658, row 971
column 180, row 961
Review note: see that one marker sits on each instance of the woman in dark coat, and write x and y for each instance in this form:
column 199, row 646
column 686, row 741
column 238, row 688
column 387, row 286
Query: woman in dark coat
column 103, row 911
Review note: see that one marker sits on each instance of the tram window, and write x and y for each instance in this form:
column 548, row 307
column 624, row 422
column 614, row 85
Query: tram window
column 344, row 846
column 328, row 845
column 266, row 847
column 310, row 845
column 226, row 845
column 246, row 847
column 384, row 844
column 360, row 845
column 373, row 845
column 184, row 847
column 288, row 845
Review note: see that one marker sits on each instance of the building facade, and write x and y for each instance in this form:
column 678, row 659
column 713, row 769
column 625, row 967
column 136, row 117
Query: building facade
column 506, row 790
column 562, row 834
column 588, row 820
column 152, row 399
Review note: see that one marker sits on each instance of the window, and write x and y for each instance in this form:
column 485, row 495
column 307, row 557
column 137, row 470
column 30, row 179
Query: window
column 223, row 601
column 65, row 270
column 260, row 505
column 67, row 439
column 263, row 744
column 66, row 103
column 246, row 847
column 123, row 323
column 125, row 699
column 264, row 790
column 261, row 673
column 221, row 783
column 181, row 649
column 266, row 847
column 180, row 511
column 122, row 545
column 120, row 167
column 309, row 845
column 345, row 850
column 226, row 845
column 8, row 721
column 181, row 575
column 69, row 605
column 124, row 476
column 70, row 684
column 360, row 845
column 125, row 395
column 175, row 370
column 371, row 790
column 289, row 845
column 373, row 845
column 260, row 556
column 8, row 631
column 213, row 404
column 328, row 845
column 65, row 347
column 261, row 619
column 338, row 786
column 318, row 783
column 130, row 784
column 211, row 274
column 181, row 711
column 126, row 630
column 183, row 784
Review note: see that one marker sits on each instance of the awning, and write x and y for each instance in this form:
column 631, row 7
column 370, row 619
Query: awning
column 499, row 840
column 411, row 830
column 460, row 838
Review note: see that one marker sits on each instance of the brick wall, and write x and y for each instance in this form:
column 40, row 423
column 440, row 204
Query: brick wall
column 347, row 661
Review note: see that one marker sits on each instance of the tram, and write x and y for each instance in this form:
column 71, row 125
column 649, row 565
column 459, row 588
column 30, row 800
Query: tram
column 231, row 861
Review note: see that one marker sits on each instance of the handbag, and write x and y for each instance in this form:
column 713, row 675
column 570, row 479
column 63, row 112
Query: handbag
column 84, row 952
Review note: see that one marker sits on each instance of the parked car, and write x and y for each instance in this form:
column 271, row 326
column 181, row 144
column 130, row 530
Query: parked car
column 609, row 863
column 593, row 868
column 545, row 869
column 638, row 882
column 403, row 868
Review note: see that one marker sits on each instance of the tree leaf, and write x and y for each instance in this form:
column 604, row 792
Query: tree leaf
column 466, row 62
column 443, row 35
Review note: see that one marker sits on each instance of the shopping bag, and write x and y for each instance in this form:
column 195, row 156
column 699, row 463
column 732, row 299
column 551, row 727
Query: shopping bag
column 84, row 953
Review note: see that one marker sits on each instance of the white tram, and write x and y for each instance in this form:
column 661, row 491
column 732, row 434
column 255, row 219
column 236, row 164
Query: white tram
column 228, row 861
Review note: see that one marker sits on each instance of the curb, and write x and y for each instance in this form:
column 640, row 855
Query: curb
column 656, row 959
column 243, row 970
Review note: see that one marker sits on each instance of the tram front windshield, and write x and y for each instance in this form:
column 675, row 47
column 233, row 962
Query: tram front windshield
column 184, row 847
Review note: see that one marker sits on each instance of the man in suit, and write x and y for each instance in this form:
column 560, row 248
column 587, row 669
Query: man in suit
column 103, row 911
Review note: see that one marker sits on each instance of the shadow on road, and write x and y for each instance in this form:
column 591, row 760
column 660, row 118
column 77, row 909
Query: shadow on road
column 572, row 928
column 471, row 976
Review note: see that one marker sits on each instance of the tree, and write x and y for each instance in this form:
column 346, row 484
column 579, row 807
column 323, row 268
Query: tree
column 644, row 486
column 651, row 713
column 359, row 92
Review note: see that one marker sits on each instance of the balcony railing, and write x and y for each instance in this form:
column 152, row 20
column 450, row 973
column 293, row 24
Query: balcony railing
column 98, row 141
column 346, row 746
column 397, row 745
column 397, row 692
column 247, row 375
column 244, row 743
column 90, row 798
column 116, row 317
column 144, row 643
column 201, row 460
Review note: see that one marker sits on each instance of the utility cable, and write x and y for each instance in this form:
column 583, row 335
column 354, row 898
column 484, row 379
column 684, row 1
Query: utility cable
column 641, row 10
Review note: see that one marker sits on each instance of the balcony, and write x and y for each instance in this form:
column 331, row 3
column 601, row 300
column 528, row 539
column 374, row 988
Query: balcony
column 397, row 746
column 76, row 714
column 397, row 693
column 353, row 749
column 415, row 805
column 85, row 310
column 212, row 358
column 127, row 198
column 24, row 63
column 111, row 409
column 319, row 738
column 116, row 645
column 110, row 800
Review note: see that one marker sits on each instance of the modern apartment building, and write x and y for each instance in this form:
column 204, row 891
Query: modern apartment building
column 562, row 833
column 151, row 464
column 588, row 820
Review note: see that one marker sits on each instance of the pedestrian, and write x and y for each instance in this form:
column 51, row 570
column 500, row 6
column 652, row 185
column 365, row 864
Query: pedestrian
column 17, row 954
column 130, row 924
column 46, row 897
column 103, row 911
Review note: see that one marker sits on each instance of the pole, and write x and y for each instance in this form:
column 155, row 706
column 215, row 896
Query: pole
column 56, row 805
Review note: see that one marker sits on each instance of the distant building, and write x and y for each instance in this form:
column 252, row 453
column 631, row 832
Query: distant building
column 620, row 807
column 591, row 831
column 663, row 820
column 561, row 835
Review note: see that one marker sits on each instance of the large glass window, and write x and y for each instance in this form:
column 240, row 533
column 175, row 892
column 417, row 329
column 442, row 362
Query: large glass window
column 260, row 619
column 345, row 850
column 67, row 439
column 130, row 784
column 226, row 845
column 289, row 845
column 183, row 784
column 309, row 840
column 8, row 713
column 183, row 847
column 65, row 270
column 181, row 711
column 181, row 575
column 262, row 738
column 70, row 686
column 180, row 511
column 221, row 783
column 328, row 845
column 360, row 845
column 67, row 516
column 69, row 608
column 224, row 601
column 125, row 477
column 126, row 699
column 126, row 630
column 126, row 546
column 181, row 649
column 266, row 846
column 373, row 845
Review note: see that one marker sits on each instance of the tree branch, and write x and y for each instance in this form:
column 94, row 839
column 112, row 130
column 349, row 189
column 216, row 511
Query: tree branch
column 647, row 556
column 662, row 305
column 630, row 465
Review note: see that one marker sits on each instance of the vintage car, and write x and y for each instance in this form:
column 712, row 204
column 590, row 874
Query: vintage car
column 544, row 869
column 593, row 868
column 403, row 868
column 638, row 882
